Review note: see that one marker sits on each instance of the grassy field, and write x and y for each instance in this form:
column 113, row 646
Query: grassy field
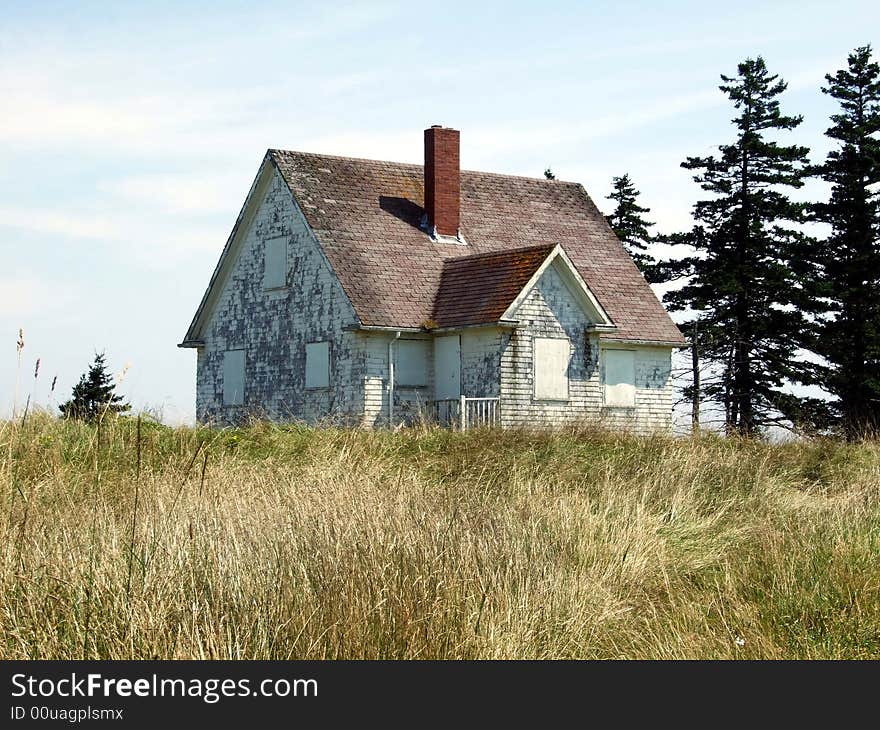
column 271, row 542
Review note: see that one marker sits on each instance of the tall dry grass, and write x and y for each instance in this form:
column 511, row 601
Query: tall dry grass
column 272, row 542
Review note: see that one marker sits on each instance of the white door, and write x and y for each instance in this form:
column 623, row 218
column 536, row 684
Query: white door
column 447, row 367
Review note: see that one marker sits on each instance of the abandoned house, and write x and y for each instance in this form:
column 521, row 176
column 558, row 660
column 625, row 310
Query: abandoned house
column 373, row 293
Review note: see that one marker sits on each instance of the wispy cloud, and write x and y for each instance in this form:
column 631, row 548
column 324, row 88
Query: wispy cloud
column 153, row 240
column 74, row 224
column 564, row 136
column 190, row 192
column 26, row 295
column 60, row 94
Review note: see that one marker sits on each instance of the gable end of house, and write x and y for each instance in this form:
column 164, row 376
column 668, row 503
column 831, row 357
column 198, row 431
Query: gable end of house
column 268, row 170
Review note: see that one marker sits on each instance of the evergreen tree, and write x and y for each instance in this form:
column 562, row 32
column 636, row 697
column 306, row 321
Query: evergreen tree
column 742, row 280
column 849, row 259
column 94, row 394
column 628, row 222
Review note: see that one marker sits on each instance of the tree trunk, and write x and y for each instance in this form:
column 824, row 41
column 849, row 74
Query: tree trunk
column 746, row 424
column 695, row 367
column 729, row 405
column 742, row 386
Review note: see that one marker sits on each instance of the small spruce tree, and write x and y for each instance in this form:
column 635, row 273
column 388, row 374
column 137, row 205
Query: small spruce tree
column 628, row 222
column 94, row 394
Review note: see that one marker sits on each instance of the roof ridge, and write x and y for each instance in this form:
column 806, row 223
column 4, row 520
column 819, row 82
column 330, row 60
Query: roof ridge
column 504, row 252
column 274, row 150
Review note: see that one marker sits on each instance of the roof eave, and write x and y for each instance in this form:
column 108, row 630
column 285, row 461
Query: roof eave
column 646, row 342
column 383, row 328
column 501, row 323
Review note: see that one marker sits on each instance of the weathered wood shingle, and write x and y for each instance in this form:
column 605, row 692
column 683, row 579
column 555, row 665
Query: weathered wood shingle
column 479, row 289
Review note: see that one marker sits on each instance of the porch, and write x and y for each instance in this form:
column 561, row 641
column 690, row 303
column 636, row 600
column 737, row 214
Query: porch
column 463, row 412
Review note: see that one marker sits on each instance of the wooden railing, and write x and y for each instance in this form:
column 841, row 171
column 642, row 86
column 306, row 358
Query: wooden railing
column 465, row 413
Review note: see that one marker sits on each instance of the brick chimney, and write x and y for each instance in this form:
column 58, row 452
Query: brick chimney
column 442, row 180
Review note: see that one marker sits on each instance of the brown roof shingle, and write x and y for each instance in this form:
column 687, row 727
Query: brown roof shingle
column 366, row 214
column 479, row 289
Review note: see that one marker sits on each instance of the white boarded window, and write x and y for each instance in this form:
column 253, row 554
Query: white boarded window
column 233, row 377
column 550, row 362
column 411, row 364
column 275, row 265
column 620, row 378
column 318, row 365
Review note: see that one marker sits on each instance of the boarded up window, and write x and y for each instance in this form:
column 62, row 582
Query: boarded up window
column 233, row 378
column 411, row 364
column 275, row 268
column 318, row 365
column 550, row 362
column 620, row 378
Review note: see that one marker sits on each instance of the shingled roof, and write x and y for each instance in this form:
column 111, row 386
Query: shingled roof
column 479, row 289
column 367, row 215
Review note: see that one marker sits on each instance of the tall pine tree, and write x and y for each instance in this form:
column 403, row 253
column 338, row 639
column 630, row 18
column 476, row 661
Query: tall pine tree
column 628, row 222
column 94, row 394
column 849, row 259
column 742, row 281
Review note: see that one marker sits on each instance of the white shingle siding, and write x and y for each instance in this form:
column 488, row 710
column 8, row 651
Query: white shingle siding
column 550, row 311
column 274, row 326
column 409, row 400
column 481, row 362
column 373, row 349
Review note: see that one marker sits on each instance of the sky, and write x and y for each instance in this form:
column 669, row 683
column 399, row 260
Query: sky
column 130, row 134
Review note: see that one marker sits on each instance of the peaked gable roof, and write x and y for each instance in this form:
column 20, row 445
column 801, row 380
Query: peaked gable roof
column 478, row 289
column 487, row 288
column 367, row 214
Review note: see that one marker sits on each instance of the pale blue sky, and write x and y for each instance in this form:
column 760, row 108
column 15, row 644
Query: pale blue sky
column 130, row 133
